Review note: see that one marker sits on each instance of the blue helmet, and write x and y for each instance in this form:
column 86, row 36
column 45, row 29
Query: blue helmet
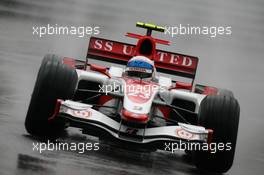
column 140, row 66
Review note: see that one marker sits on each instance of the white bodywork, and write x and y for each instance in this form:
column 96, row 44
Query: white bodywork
column 163, row 83
column 85, row 114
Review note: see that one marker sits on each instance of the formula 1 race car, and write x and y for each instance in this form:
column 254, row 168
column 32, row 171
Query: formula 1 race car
column 145, row 98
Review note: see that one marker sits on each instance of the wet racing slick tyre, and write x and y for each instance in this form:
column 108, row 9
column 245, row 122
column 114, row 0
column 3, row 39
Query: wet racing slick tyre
column 221, row 114
column 55, row 80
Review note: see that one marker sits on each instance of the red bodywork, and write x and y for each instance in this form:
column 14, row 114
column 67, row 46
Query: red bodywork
column 133, row 117
column 167, row 62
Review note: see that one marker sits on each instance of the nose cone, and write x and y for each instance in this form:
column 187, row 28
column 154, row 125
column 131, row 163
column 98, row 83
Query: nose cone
column 138, row 97
column 134, row 117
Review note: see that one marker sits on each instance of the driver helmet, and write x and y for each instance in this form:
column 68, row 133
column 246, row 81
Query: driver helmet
column 140, row 67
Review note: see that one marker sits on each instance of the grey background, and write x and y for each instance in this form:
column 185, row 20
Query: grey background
column 234, row 62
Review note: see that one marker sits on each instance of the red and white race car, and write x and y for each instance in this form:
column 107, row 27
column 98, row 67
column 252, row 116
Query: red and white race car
column 139, row 102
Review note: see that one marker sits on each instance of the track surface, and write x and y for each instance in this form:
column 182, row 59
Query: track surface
column 234, row 62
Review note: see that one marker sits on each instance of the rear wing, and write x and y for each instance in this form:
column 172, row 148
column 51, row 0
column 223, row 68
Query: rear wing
column 120, row 53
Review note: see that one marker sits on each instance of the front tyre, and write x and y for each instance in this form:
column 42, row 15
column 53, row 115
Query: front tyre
column 55, row 80
column 221, row 114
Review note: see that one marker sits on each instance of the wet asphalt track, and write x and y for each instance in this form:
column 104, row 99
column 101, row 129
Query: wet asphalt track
column 234, row 62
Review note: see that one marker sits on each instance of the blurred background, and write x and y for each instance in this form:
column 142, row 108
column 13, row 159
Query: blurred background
column 231, row 61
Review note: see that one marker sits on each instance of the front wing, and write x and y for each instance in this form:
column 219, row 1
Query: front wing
column 84, row 115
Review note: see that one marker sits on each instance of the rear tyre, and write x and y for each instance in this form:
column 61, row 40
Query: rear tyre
column 220, row 113
column 55, row 80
